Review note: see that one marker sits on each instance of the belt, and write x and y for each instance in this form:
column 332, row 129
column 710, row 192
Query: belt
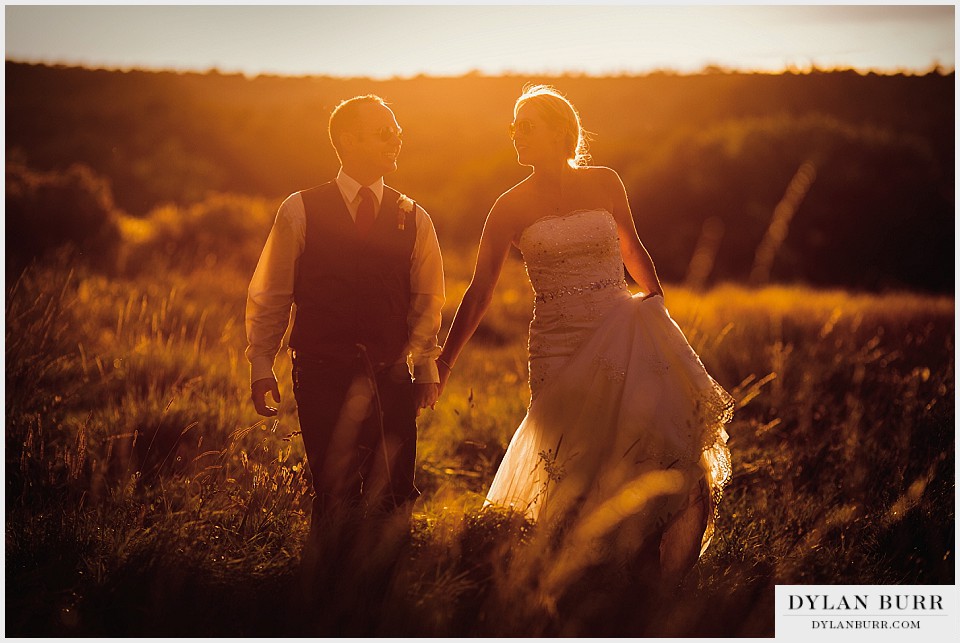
column 357, row 361
column 620, row 284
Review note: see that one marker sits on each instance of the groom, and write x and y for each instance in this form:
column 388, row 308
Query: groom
column 362, row 264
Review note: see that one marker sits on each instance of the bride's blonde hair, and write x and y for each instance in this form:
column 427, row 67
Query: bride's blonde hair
column 557, row 110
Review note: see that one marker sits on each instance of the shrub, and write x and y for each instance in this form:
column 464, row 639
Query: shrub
column 68, row 211
column 223, row 230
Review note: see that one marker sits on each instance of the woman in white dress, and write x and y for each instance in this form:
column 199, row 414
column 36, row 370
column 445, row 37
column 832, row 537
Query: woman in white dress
column 624, row 434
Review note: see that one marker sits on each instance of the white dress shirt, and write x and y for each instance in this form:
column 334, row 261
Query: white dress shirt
column 270, row 295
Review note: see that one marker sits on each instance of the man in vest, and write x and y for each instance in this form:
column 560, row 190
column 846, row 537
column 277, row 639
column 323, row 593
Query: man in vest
column 362, row 264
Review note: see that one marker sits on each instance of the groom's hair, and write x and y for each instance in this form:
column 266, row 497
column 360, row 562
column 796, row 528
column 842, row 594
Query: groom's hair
column 344, row 117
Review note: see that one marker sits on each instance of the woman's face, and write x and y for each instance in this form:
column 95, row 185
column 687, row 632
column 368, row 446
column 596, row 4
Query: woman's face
column 533, row 138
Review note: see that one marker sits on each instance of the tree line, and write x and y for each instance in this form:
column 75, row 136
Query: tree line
column 828, row 178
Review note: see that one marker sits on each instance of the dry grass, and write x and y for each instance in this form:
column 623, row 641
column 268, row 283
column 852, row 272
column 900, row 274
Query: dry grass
column 144, row 498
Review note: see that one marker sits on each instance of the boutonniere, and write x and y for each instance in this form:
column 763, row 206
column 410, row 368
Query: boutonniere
column 405, row 206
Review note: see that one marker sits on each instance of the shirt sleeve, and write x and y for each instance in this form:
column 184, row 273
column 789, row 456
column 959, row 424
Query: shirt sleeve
column 427, row 298
column 270, row 294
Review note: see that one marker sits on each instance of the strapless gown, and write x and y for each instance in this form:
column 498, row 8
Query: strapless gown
column 624, row 423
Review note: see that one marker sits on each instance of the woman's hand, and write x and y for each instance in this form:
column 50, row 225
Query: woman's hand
column 444, row 369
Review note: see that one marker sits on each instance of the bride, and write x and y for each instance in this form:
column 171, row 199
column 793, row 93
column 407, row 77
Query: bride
column 624, row 433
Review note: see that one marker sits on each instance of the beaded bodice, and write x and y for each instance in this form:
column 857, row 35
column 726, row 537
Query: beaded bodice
column 572, row 255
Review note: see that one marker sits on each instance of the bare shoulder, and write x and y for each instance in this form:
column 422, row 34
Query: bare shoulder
column 602, row 174
column 510, row 206
column 609, row 184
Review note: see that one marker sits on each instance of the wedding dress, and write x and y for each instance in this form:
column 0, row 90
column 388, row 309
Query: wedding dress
column 624, row 424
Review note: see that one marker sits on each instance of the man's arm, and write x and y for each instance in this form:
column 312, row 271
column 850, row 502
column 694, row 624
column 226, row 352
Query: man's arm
column 426, row 306
column 269, row 299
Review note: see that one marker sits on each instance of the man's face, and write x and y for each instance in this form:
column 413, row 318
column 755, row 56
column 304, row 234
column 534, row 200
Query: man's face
column 374, row 144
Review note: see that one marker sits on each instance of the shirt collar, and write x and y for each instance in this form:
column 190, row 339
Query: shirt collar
column 349, row 187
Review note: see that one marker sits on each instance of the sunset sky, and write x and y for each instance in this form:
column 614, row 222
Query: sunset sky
column 403, row 40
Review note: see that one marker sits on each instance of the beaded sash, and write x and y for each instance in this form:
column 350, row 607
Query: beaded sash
column 620, row 284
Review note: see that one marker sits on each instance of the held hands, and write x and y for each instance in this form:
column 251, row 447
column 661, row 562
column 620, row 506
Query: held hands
column 258, row 393
column 426, row 395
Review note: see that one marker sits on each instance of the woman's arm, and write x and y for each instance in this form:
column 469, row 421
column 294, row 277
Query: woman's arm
column 494, row 245
column 635, row 256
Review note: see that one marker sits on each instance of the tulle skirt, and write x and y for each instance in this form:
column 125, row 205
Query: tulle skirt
column 624, row 434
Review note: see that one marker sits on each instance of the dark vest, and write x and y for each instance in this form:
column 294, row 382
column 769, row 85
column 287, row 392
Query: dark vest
column 351, row 291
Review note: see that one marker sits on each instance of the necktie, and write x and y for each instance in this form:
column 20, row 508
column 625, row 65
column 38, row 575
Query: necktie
column 365, row 215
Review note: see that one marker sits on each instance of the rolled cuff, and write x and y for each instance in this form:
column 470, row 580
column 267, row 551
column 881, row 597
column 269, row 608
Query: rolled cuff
column 426, row 372
column 261, row 369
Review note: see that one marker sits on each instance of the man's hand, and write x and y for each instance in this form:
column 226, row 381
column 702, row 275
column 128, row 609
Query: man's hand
column 258, row 393
column 426, row 395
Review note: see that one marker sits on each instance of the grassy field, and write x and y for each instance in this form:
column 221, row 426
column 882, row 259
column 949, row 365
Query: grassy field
column 144, row 497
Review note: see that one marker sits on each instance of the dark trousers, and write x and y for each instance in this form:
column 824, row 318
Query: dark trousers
column 360, row 434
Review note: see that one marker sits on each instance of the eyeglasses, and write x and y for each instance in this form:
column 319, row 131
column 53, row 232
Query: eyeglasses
column 523, row 127
column 385, row 134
